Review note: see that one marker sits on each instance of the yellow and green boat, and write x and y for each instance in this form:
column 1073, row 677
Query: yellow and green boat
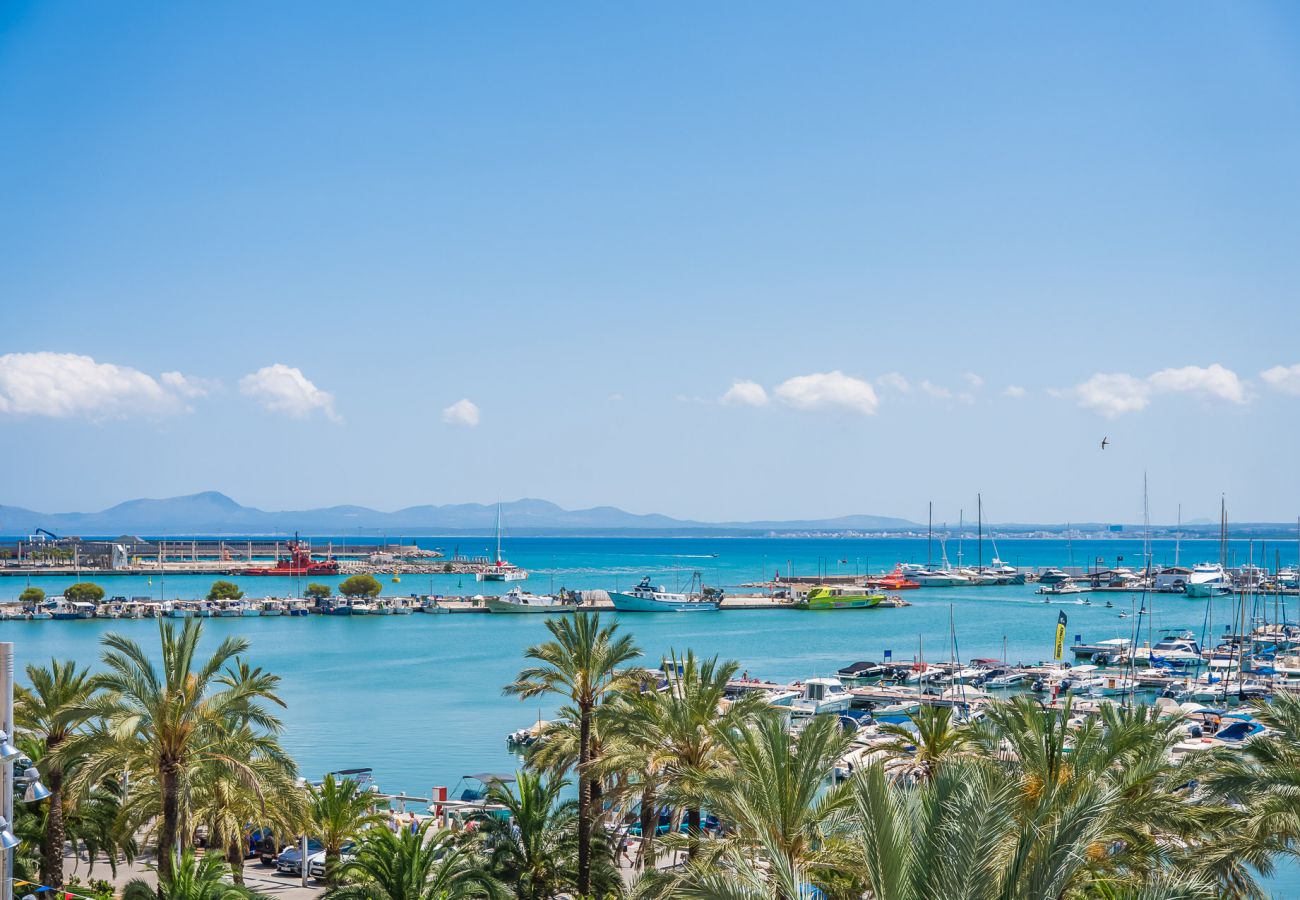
column 827, row 598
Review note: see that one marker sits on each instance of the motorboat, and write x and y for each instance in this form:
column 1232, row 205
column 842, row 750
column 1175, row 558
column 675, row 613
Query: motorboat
column 1111, row 646
column 645, row 598
column 1052, row 575
column 1174, row 651
column 1005, row 680
column 516, row 600
column 896, row 580
column 821, row 696
column 1063, row 587
column 941, row 578
column 824, row 597
column 861, row 671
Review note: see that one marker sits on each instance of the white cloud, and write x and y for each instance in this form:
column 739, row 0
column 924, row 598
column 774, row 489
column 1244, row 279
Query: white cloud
column 829, row 390
column 937, row 391
column 1014, row 391
column 745, row 393
column 1283, row 378
column 1213, row 381
column 462, row 412
column 894, row 380
column 284, row 389
column 67, row 385
column 974, row 381
column 1113, row 394
column 189, row 385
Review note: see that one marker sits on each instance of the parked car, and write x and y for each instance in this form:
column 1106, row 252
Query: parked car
column 289, row 862
column 317, row 860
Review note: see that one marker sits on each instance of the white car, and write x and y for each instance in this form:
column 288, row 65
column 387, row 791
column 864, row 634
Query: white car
column 316, row 861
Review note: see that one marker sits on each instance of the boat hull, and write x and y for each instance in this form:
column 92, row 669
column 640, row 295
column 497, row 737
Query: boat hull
column 863, row 602
column 632, row 603
column 497, row 605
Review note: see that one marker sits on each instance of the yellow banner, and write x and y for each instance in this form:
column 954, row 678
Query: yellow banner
column 1060, row 636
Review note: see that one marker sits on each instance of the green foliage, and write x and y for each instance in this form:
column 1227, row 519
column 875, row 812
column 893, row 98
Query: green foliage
column 339, row 811
column 366, row 586
column 31, row 596
column 419, row 865
column 84, row 592
column 192, row 878
column 225, row 590
column 584, row 664
column 317, row 591
column 171, row 722
column 535, row 850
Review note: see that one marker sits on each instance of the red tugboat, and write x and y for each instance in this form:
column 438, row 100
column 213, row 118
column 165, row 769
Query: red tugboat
column 299, row 562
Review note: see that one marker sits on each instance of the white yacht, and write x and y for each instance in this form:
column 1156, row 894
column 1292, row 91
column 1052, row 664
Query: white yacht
column 820, row 696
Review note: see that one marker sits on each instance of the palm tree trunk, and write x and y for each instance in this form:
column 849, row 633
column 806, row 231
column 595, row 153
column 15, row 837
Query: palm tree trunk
column 693, row 819
column 235, row 858
column 52, row 851
column 584, row 801
column 169, row 779
column 649, row 824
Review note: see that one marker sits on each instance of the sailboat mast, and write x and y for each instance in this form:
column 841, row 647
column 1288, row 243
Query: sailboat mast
column 929, row 539
column 1178, row 534
column 498, row 532
column 979, row 507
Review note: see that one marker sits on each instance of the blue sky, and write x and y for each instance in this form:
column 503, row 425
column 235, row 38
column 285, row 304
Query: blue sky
column 945, row 249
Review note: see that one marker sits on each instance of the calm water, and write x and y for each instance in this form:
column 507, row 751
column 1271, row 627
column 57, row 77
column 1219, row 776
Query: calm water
column 419, row 697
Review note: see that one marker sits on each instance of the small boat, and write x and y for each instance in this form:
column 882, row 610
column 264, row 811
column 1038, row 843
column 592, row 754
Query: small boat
column 382, row 607
column 821, row 696
column 1062, row 587
column 1052, row 576
column 500, row 570
column 824, row 598
column 297, row 608
column 644, row 598
column 272, row 608
column 516, row 600
column 401, row 608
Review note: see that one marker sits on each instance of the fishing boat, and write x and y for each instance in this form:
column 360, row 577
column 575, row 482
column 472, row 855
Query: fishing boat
column 500, row 570
column 645, row 598
column 825, row 597
column 298, row 562
column 519, row 601
column 59, row 608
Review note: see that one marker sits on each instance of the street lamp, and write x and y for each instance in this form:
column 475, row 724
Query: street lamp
column 33, row 790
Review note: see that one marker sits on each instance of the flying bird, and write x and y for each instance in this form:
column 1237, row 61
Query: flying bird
column 1104, row 442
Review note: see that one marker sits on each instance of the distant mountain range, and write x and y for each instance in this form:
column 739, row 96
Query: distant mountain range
column 214, row 513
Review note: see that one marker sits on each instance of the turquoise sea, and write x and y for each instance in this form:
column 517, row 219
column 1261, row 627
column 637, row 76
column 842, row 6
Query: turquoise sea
column 419, row 697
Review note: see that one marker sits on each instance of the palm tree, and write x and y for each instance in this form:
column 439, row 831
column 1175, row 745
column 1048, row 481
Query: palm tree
column 160, row 723
column 192, row 878
column 1260, row 782
column 679, row 731
column 780, row 810
column 960, row 834
column 413, row 865
column 339, row 811
column 1111, row 781
column 534, row 851
column 918, row 754
column 51, row 711
column 232, row 806
column 584, row 663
